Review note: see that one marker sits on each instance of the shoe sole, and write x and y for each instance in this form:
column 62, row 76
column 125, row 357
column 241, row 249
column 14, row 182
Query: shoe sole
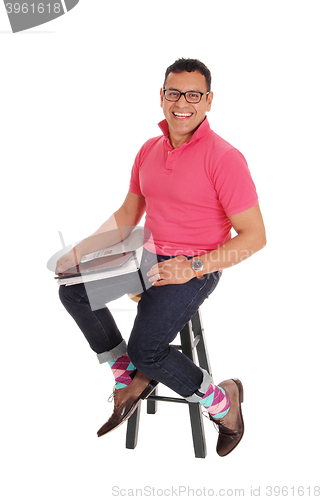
column 147, row 391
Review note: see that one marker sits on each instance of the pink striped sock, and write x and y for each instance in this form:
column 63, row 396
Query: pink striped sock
column 122, row 369
column 216, row 401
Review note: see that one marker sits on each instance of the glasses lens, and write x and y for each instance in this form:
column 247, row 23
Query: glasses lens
column 193, row 96
column 172, row 95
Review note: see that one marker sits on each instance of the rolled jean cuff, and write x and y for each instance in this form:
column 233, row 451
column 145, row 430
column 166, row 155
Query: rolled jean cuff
column 115, row 353
column 206, row 381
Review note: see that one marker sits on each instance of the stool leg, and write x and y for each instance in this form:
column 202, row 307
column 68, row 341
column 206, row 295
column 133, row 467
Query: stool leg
column 152, row 406
column 197, row 429
column 203, row 357
column 132, row 430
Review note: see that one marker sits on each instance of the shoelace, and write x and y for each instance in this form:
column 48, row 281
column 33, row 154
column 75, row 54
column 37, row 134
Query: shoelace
column 218, row 425
column 206, row 414
column 111, row 397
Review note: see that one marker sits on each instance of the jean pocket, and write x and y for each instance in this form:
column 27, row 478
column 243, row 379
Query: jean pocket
column 198, row 283
column 214, row 279
column 207, row 283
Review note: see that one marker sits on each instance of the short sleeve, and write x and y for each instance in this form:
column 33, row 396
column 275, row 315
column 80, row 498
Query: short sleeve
column 234, row 184
column 135, row 176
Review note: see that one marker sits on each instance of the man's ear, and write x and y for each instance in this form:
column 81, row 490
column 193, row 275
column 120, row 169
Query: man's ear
column 210, row 97
column 161, row 97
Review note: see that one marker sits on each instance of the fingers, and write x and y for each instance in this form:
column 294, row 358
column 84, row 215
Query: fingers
column 154, row 274
column 162, row 273
column 61, row 267
column 170, row 271
column 156, row 277
column 154, row 269
column 65, row 262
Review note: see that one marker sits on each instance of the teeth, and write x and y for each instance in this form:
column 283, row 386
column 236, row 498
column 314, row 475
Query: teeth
column 182, row 114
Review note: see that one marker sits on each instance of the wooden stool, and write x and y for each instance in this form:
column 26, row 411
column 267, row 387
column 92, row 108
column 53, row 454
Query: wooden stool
column 193, row 346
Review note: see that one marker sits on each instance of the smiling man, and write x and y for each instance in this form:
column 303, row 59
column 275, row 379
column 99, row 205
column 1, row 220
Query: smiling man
column 194, row 187
column 185, row 114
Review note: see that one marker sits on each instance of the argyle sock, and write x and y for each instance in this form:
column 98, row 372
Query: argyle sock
column 123, row 371
column 216, row 401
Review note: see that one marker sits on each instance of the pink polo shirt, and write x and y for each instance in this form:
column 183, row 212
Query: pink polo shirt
column 191, row 191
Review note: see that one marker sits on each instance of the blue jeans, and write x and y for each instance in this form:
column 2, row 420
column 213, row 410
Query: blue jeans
column 162, row 313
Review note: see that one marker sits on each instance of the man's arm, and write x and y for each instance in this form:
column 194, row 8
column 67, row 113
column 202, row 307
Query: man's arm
column 119, row 225
column 114, row 230
column 250, row 238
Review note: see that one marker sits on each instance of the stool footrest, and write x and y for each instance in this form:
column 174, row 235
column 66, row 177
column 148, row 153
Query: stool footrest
column 196, row 341
column 166, row 398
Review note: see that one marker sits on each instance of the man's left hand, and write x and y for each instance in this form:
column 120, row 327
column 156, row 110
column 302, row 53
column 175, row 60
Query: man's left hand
column 171, row 272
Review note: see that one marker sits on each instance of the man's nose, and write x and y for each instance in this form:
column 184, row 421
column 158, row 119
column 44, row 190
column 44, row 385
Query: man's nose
column 182, row 101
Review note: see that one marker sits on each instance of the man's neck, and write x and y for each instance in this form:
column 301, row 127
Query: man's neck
column 176, row 142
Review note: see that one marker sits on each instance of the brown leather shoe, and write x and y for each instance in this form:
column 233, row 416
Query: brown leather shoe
column 231, row 426
column 126, row 401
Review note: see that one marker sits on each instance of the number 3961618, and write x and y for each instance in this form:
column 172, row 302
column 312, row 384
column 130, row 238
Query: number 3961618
column 40, row 8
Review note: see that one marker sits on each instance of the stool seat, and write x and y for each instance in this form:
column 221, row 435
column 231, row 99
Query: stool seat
column 193, row 345
column 135, row 297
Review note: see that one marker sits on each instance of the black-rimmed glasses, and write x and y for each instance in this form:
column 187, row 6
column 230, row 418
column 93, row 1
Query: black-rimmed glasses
column 190, row 96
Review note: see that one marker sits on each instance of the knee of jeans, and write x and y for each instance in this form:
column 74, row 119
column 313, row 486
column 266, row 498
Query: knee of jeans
column 139, row 356
column 142, row 357
column 66, row 295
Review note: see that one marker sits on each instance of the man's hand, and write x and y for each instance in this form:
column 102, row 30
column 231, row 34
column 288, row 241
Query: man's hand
column 68, row 260
column 171, row 272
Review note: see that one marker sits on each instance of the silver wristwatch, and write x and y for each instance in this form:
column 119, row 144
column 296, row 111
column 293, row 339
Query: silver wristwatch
column 197, row 265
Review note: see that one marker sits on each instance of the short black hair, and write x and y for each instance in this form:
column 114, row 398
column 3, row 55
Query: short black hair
column 189, row 65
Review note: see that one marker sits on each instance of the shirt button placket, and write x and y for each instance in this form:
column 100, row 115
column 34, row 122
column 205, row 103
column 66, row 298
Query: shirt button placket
column 169, row 162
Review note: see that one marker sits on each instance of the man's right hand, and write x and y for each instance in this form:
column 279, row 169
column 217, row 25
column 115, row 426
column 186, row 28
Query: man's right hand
column 68, row 260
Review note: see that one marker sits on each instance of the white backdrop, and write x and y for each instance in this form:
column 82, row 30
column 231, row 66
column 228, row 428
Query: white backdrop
column 71, row 124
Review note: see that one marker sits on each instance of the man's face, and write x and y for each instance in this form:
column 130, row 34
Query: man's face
column 183, row 117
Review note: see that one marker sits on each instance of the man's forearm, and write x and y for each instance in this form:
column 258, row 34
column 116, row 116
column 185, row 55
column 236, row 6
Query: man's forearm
column 118, row 227
column 109, row 233
column 233, row 252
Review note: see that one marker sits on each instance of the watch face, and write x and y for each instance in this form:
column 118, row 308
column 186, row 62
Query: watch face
column 197, row 264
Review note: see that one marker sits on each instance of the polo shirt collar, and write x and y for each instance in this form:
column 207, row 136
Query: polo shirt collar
column 202, row 130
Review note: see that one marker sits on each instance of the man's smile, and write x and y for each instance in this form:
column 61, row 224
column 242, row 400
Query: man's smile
column 181, row 115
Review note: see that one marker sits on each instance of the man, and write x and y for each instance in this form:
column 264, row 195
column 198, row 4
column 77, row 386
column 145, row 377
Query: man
column 194, row 187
